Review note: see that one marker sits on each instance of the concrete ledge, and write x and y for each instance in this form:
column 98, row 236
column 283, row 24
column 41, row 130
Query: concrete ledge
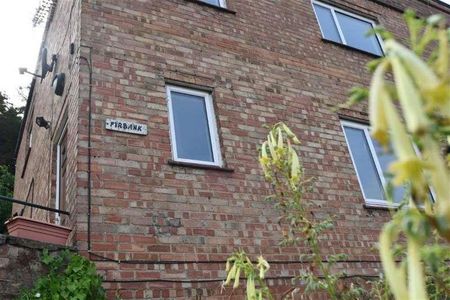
column 30, row 244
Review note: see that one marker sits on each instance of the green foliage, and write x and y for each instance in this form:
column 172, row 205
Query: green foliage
column 10, row 120
column 6, row 182
column 6, row 189
column 70, row 276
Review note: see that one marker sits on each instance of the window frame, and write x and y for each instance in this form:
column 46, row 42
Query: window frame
column 211, row 118
column 222, row 3
column 333, row 10
column 365, row 128
column 58, row 193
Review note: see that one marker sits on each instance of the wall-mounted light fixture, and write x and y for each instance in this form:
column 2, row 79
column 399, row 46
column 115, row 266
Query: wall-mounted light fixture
column 45, row 67
column 58, row 83
column 41, row 122
column 24, row 70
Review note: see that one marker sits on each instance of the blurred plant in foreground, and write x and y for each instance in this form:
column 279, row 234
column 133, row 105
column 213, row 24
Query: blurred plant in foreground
column 410, row 114
column 409, row 111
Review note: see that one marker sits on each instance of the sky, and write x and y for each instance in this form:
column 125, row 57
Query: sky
column 19, row 47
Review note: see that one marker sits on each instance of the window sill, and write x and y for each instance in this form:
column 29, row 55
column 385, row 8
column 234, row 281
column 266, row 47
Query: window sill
column 220, row 8
column 386, row 207
column 199, row 166
column 351, row 48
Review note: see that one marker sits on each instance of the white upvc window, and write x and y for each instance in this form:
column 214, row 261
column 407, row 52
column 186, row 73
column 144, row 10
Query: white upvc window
column 193, row 130
column 371, row 163
column 347, row 28
column 220, row 3
column 61, row 174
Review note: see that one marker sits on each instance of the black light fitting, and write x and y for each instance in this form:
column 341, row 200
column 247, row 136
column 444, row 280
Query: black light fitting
column 58, row 83
column 42, row 122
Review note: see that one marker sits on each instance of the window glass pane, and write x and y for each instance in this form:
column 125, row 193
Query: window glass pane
column 372, row 187
column 385, row 159
column 327, row 25
column 355, row 31
column 213, row 2
column 191, row 127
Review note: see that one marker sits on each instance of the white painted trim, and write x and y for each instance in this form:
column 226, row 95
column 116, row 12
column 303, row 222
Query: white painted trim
column 338, row 26
column 58, row 183
column 374, row 202
column 358, row 126
column 215, row 144
column 222, row 3
column 364, row 128
column 58, row 173
column 375, row 157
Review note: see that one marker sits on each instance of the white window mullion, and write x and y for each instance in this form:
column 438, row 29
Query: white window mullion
column 375, row 157
column 213, row 130
column 58, row 173
column 173, row 137
column 343, row 124
column 378, row 170
column 338, row 26
column 58, row 183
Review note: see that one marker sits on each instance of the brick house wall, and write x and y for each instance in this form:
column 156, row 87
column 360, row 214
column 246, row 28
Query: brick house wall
column 36, row 166
column 264, row 62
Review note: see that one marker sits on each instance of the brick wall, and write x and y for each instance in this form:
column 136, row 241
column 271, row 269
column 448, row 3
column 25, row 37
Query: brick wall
column 35, row 177
column 265, row 61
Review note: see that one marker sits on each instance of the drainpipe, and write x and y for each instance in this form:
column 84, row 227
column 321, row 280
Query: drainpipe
column 89, row 64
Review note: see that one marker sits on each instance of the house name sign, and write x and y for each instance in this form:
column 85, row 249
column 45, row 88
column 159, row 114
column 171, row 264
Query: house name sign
column 127, row 126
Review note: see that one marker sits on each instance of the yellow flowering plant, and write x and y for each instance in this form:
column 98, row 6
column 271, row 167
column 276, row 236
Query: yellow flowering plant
column 410, row 113
column 239, row 264
column 283, row 171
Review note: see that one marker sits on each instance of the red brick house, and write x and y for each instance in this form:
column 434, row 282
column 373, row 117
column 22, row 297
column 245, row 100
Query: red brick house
column 152, row 144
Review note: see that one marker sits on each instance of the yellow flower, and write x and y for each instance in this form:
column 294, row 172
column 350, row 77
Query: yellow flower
column 251, row 291
column 438, row 99
column 377, row 98
column 271, row 143
column 408, row 170
column 231, row 275
column 280, row 138
column 423, row 75
column 237, row 278
column 442, row 60
column 435, row 91
column 290, row 134
column 263, row 266
column 401, row 142
column 295, row 168
column 409, row 97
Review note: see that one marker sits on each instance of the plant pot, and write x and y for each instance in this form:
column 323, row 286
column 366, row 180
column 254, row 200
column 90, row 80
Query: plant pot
column 37, row 230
